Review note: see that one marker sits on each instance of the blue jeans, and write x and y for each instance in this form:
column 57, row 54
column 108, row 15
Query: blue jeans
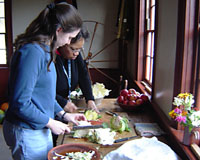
column 27, row 144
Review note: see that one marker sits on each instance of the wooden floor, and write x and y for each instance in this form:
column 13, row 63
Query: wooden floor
column 4, row 151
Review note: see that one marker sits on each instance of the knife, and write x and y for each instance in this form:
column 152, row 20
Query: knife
column 125, row 139
column 87, row 127
column 111, row 113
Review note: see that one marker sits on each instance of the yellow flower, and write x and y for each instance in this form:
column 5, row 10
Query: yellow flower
column 183, row 95
column 172, row 114
column 184, row 113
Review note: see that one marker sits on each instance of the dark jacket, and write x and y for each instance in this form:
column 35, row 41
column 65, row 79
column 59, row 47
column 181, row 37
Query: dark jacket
column 79, row 77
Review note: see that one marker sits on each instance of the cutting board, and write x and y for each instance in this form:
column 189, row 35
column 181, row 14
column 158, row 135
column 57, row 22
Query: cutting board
column 102, row 148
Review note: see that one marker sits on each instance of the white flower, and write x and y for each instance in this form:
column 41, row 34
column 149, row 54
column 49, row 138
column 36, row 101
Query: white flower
column 195, row 118
column 99, row 90
column 189, row 101
column 177, row 101
column 186, row 101
column 76, row 93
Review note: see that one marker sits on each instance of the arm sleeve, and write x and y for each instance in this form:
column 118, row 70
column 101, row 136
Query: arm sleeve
column 57, row 107
column 62, row 101
column 84, row 79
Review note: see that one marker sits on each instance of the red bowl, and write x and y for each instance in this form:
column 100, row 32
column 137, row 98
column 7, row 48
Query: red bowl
column 73, row 147
column 132, row 108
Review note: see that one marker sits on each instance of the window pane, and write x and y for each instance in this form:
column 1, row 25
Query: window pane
column 2, row 41
column 148, row 52
column 2, row 25
column 149, row 56
column 2, row 10
column 152, row 45
column 151, row 76
column 3, row 56
column 147, row 9
column 153, row 18
column 3, row 51
column 147, row 74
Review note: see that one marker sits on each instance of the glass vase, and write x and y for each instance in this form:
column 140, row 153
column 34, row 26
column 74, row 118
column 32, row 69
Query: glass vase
column 186, row 136
column 190, row 137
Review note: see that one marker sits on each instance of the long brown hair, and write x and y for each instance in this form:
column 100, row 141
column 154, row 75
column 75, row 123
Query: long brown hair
column 43, row 28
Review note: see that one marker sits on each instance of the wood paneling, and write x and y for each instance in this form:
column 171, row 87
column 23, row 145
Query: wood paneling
column 4, row 72
column 109, row 84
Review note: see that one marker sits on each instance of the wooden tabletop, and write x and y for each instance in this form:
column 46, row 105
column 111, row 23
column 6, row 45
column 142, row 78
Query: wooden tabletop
column 106, row 105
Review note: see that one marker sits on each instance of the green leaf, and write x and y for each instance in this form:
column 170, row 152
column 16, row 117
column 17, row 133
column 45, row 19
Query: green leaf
column 105, row 125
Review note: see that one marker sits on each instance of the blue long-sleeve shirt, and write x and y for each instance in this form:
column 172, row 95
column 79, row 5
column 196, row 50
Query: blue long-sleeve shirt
column 32, row 88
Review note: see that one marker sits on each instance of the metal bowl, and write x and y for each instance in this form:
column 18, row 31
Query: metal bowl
column 82, row 103
column 67, row 148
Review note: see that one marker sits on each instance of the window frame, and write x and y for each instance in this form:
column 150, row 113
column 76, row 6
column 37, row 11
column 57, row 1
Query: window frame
column 149, row 31
column 187, row 49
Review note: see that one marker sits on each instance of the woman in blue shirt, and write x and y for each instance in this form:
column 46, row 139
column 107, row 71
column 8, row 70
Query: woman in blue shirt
column 32, row 84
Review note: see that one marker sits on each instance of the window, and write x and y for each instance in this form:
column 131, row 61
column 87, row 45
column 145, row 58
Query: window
column 149, row 41
column 6, row 46
column 197, row 79
column 3, row 59
column 146, row 44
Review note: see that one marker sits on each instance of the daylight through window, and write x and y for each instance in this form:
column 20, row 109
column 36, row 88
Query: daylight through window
column 3, row 56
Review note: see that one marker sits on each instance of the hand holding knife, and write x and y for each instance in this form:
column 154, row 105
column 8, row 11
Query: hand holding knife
column 111, row 113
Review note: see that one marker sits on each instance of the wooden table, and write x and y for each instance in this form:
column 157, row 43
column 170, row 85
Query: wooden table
column 106, row 105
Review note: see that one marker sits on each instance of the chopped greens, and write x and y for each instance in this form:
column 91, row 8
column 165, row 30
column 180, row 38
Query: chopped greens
column 75, row 156
column 92, row 115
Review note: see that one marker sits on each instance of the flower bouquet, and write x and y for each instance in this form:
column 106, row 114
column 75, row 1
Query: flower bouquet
column 185, row 114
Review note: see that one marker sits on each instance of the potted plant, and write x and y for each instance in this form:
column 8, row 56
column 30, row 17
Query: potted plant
column 186, row 115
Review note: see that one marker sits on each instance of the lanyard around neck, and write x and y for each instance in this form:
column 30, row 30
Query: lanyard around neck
column 69, row 75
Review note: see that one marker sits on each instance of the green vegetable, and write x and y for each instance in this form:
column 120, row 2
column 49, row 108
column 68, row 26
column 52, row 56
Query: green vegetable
column 91, row 115
column 119, row 124
column 99, row 90
column 105, row 125
column 127, row 128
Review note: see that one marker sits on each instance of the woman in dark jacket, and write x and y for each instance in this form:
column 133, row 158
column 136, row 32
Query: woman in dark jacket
column 69, row 57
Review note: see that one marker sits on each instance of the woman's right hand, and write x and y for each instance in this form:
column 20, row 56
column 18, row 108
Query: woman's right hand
column 70, row 107
column 58, row 127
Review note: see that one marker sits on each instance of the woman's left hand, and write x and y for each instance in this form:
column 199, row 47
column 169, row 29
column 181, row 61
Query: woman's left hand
column 74, row 117
column 91, row 105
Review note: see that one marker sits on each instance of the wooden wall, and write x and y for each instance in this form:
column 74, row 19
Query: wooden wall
column 4, row 73
column 114, row 74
